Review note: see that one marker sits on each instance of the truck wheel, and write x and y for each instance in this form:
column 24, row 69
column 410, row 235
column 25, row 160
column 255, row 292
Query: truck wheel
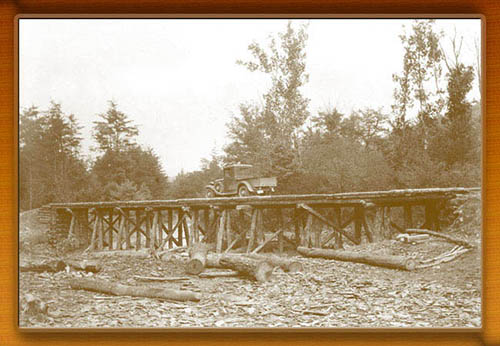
column 210, row 194
column 243, row 191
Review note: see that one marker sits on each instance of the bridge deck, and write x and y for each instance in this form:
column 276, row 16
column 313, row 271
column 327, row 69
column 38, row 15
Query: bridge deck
column 351, row 198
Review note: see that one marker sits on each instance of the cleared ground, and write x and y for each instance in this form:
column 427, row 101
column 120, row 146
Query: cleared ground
column 327, row 293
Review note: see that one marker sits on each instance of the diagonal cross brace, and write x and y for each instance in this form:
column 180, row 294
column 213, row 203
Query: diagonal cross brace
column 328, row 222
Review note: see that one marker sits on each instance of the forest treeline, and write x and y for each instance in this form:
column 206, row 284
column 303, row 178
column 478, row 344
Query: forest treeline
column 430, row 138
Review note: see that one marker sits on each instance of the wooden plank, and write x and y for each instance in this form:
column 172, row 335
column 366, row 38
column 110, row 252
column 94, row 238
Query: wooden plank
column 329, row 223
column 127, row 229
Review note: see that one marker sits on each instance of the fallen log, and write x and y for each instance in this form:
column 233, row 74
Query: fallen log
column 102, row 286
column 40, row 266
column 441, row 235
column 258, row 270
column 84, row 265
column 160, row 279
column 386, row 261
column 126, row 253
column 198, row 258
column 285, row 264
column 219, row 274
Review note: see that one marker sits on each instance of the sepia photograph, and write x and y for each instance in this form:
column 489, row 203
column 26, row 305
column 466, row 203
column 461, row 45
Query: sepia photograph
column 250, row 173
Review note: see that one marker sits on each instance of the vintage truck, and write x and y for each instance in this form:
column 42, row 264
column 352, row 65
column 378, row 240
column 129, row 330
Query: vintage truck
column 240, row 180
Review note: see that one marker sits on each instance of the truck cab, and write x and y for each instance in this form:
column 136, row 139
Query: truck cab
column 240, row 180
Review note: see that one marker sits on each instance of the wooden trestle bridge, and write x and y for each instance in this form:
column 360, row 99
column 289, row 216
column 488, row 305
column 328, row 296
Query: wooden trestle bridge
column 318, row 220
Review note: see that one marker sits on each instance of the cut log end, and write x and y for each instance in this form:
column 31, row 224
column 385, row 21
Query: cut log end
column 295, row 267
column 264, row 271
column 195, row 266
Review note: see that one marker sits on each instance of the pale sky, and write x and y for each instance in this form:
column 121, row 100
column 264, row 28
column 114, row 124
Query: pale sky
column 177, row 79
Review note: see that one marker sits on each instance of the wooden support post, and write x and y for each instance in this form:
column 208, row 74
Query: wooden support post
column 159, row 227
column 206, row 222
column 154, row 230
column 338, row 236
column 127, row 230
column 260, row 227
column 297, row 224
column 95, row 232
column 408, row 219
column 307, row 230
column 100, row 236
column 119, row 239
column 147, row 217
column 187, row 232
column 137, row 229
column 220, row 231
column 367, row 228
column 251, row 236
column 180, row 223
column 281, row 225
column 358, row 222
column 430, row 216
column 71, row 224
column 111, row 227
column 169, row 227
column 196, row 231
column 229, row 235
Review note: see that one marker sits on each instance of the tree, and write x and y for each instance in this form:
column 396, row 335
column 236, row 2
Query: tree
column 124, row 170
column 421, row 76
column 276, row 126
column 192, row 184
column 114, row 131
column 51, row 169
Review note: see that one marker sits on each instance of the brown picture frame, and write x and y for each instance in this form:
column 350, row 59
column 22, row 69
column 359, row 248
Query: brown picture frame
column 12, row 335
